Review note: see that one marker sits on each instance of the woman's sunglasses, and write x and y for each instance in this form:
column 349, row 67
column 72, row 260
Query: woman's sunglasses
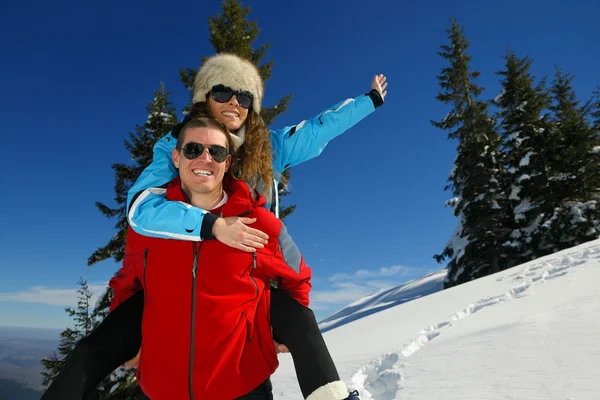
column 193, row 150
column 222, row 94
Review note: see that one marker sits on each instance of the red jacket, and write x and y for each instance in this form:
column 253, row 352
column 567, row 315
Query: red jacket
column 206, row 328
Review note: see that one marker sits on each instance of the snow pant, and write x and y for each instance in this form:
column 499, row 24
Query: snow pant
column 119, row 337
column 296, row 326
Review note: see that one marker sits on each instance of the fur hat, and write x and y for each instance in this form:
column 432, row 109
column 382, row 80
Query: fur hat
column 232, row 71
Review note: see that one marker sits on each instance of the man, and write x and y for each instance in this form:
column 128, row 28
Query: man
column 206, row 330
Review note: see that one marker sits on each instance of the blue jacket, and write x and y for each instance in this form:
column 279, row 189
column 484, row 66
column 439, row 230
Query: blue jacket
column 150, row 214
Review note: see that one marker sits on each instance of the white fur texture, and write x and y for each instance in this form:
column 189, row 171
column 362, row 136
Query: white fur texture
column 232, row 71
column 332, row 391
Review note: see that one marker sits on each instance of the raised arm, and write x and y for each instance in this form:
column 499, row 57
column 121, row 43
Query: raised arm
column 295, row 144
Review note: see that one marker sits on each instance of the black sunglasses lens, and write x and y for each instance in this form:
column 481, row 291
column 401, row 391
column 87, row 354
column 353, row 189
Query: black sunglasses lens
column 244, row 99
column 221, row 94
column 218, row 153
column 192, row 150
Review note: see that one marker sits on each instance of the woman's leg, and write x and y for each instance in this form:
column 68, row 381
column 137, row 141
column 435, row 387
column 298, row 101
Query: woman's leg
column 263, row 392
column 117, row 339
column 297, row 328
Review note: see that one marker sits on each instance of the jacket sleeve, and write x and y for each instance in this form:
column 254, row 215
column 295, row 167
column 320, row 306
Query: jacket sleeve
column 295, row 144
column 150, row 214
column 289, row 267
column 126, row 282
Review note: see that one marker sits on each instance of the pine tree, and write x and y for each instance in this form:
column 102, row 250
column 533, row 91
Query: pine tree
column 83, row 325
column 476, row 180
column 572, row 215
column 232, row 32
column 593, row 108
column 529, row 142
column 161, row 119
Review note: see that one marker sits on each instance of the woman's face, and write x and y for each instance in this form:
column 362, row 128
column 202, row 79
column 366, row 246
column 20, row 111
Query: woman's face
column 230, row 113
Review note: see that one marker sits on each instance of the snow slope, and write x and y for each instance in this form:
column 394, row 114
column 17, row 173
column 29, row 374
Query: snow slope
column 428, row 284
column 531, row 332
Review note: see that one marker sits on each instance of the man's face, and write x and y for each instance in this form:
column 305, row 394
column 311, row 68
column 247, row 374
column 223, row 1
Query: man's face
column 202, row 174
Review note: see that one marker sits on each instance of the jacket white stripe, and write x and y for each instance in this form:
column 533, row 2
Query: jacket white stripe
column 145, row 193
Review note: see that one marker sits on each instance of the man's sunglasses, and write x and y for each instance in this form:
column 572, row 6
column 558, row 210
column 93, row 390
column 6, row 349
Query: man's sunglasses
column 193, row 150
column 222, row 94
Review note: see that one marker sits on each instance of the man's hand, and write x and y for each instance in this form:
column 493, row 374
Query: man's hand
column 281, row 348
column 380, row 84
column 233, row 232
column 133, row 363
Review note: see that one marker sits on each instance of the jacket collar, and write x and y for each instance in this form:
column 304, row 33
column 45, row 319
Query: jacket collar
column 241, row 198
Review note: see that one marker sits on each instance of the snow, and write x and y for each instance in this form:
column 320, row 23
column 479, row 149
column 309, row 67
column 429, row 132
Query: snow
column 514, row 193
column 578, row 209
column 525, row 160
column 529, row 332
column 453, row 171
column 499, row 97
column 523, row 178
column 453, row 202
column 457, row 242
column 596, row 150
column 430, row 283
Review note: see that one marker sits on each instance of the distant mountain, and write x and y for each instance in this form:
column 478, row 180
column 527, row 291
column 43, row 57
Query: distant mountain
column 21, row 351
column 12, row 390
column 426, row 285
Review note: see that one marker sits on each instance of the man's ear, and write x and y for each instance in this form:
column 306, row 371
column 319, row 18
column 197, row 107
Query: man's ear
column 228, row 163
column 175, row 154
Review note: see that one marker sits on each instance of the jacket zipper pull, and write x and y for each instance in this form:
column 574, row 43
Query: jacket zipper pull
column 195, row 264
column 253, row 260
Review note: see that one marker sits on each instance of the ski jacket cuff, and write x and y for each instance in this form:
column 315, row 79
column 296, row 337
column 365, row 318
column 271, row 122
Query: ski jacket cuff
column 208, row 221
column 375, row 97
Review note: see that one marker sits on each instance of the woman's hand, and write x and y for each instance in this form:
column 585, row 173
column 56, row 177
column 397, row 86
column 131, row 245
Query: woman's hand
column 281, row 348
column 233, row 232
column 380, row 85
column 134, row 362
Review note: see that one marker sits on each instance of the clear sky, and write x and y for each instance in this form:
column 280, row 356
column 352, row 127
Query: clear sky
column 76, row 77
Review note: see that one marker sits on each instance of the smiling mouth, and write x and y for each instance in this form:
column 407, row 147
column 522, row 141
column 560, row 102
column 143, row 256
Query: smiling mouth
column 230, row 114
column 202, row 172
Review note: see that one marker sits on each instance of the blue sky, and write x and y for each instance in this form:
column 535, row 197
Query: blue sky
column 77, row 78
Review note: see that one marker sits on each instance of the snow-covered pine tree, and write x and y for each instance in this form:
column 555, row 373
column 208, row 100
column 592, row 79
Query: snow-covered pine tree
column 476, row 181
column 161, row 119
column 572, row 215
column 594, row 110
column 83, row 324
column 232, row 32
column 529, row 143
